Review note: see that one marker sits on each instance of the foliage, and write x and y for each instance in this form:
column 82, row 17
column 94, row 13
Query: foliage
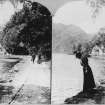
column 30, row 26
column 96, row 5
column 99, row 39
column 84, row 48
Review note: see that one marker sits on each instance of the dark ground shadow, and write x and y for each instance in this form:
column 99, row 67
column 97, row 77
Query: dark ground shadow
column 5, row 93
column 96, row 96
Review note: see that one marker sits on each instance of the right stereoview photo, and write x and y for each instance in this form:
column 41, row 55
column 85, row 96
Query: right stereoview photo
column 78, row 53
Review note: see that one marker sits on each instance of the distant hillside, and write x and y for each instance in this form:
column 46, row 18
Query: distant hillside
column 65, row 36
column 99, row 38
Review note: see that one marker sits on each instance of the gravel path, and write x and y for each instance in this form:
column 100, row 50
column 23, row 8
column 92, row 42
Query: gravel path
column 35, row 77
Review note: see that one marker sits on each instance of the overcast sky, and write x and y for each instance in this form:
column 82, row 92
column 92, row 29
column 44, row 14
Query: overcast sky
column 79, row 13
column 6, row 11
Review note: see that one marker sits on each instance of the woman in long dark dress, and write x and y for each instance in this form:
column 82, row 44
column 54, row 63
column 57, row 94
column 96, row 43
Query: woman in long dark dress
column 88, row 81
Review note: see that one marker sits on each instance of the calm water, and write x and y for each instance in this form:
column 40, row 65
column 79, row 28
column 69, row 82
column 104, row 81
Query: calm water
column 67, row 80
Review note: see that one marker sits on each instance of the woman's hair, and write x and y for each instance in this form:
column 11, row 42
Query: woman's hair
column 78, row 55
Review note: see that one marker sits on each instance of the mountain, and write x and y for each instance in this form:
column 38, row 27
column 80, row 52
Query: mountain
column 65, row 36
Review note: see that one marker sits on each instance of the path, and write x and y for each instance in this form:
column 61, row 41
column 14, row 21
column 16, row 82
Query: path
column 67, row 82
column 36, row 80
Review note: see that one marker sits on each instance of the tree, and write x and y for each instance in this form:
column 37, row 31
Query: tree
column 99, row 39
column 32, row 26
column 96, row 5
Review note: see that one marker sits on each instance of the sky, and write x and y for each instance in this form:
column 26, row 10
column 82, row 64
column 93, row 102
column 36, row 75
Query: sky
column 6, row 11
column 80, row 14
column 77, row 13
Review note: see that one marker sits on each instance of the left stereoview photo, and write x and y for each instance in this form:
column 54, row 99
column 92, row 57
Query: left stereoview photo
column 25, row 53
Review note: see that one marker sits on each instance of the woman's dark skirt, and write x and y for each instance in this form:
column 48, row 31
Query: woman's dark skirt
column 89, row 82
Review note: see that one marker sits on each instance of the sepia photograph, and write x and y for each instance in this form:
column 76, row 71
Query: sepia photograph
column 25, row 52
column 78, row 52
